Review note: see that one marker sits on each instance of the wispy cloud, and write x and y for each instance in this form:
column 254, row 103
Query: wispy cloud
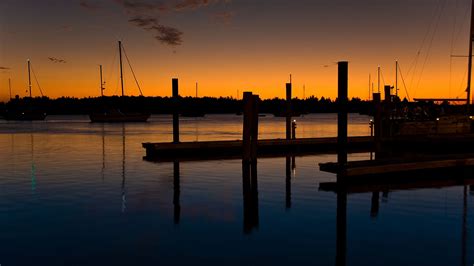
column 87, row 4
column 223, row 17
column 194, row 4
column 146, row 14
column 57, row 60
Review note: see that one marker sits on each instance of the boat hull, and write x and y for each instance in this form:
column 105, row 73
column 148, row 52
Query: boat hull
column 25, row 116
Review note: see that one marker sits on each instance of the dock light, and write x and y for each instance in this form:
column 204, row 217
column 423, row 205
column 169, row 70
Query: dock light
column 470, row 117
column 437, row 119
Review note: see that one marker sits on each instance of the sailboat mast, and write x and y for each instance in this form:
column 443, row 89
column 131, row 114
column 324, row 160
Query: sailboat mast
column 378, row 73
column 196, row 89
column 396, row 78
column 10, row 87
column 29, row 77
column 101, row 82
column 469, row 66
column 121, row 66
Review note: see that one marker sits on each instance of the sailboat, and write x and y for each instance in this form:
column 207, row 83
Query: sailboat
column 116, row 115
column 443, row 123
column 28, row 113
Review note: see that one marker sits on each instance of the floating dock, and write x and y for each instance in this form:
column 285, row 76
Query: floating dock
column 205, row 150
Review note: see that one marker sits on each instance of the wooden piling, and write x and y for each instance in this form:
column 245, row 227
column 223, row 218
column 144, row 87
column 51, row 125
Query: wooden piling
column 288, row 110
column 343, row 76
column 175, row 88
column 293, row 130
column 247, row 130
column 377, row 124
column 388, row 96
column 254, row 128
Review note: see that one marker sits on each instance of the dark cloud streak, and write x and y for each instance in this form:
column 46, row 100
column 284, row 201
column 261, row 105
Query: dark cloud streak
column 57, row 60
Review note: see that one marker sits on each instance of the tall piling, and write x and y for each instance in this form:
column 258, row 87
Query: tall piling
column 254, row 129
column 288, row 110
column 175, row 88
column 247, row 130
column 377, row 124
column 343, row 83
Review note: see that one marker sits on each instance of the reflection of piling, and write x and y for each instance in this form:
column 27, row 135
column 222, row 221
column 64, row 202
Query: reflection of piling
column 374, row 209
column 250, row 197
column 250, row 130
column 343, row 68
column 288, row 111
column 341, row 228
column 288, row 183
column 175, row 111
column 377, row 124
column 176, row 192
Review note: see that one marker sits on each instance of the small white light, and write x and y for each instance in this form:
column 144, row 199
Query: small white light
column 437, row 119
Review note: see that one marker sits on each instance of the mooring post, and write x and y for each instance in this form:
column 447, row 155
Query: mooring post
column 343, row 76
column 175, row 110
column 388, row 96
column 254, row 129
column 288, row 111
column 293, row 129
column 377, row 124
column 247, row 130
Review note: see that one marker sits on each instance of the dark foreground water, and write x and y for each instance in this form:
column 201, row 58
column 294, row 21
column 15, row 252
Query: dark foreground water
column 75, row 193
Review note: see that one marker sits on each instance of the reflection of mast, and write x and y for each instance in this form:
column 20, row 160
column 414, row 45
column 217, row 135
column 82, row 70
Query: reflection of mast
column 103, row 151
column 464, row 228
column 33, row 167
column 124, row 200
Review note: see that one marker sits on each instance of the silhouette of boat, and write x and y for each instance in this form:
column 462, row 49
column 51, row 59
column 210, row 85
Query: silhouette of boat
column 30, row 115
column 25, row 114
column 115, row 115
column 421, row 121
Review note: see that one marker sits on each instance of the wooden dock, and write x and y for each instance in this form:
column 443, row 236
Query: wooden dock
column 206, row 150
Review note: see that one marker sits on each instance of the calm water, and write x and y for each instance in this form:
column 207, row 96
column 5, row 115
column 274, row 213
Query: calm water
column 76, row 193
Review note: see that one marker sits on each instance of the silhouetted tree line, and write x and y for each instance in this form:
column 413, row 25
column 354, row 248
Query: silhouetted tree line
column 188, row 105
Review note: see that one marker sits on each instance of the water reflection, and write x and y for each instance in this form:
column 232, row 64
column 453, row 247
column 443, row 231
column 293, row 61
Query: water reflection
column 124, row 191
column 344, row 187
column 250, row 196
column 290, row 171
column 176, row 192
column 33, row 166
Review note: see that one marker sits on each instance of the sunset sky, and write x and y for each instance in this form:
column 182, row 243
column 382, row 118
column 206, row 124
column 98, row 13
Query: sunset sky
column 234, row 45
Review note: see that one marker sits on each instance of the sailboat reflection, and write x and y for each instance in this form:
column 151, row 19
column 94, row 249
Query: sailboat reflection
column 250, row 197
column 344, row 187
column 124, row 192
column 33, row 166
